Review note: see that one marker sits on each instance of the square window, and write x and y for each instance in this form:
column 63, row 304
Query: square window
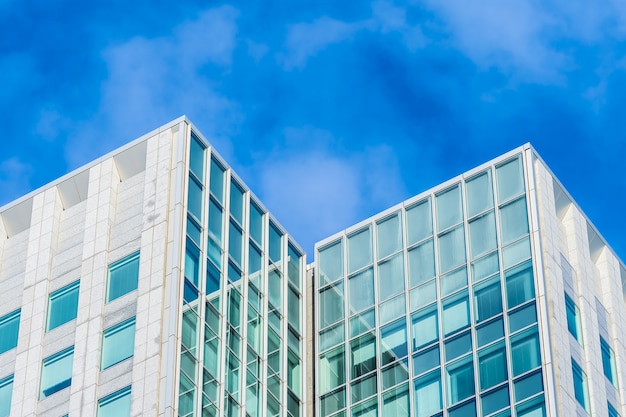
column 62, row 306
column 116, row 404
column 9, row 329
column 6, row 391
column 56, row 373
column 118, row 343
column 123, row 277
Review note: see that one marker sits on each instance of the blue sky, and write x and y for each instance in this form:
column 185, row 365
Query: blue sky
column 330, row 111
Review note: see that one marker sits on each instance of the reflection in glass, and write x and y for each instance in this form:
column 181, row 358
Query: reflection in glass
column 513, row 220
column 449, row 210
column 391, row 277
column 361, row 288
column 332, row 369
column 453, row 281
column 359, row 250
column 525, row 353
column 236, row 201
column 482, row 233
column 460, row 380
column 419, row 222
column 510, row 179
column 428, row 395
column 393, row 342
column 455, row 315
column 424, row 294
column 451, row 249
column 492, row 367
column 217, row 180
column 488, row 300
column 331, row 304
column 479, row 193
column 425, row 327
column 330, row 263
column 421, row 263
column 362, row 355
column 519, row 284
column 389, row 236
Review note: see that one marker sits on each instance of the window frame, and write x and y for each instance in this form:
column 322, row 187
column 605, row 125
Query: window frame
column 61, row 384
column 54, row 296
column 111, row 398
column 5, row 322
column 111, row 331
column 135, row 256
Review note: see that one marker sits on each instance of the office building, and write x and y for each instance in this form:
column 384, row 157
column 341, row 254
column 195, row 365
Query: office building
column 153, row 282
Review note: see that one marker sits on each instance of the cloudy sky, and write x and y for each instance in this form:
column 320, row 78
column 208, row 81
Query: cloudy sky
column 330, row 111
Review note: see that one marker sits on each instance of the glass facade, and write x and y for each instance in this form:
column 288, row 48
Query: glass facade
column 431, row 309
column 242, row 322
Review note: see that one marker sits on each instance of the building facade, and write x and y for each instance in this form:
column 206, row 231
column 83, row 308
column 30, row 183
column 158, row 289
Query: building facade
column 153, row 282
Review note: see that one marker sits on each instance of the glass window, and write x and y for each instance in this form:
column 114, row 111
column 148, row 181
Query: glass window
column 492, row 366
column 213, row 279
column 428, row 395
column 396, row 402
column 458, row 346
column 332, row 336
column 362, row 323
column 6, row 392
column 294, row 267
column 488, row 300
column 332, row 402
column 192, row 263
column 389, row 239
column 424, row 294
column 293, row 307
column 276, row 249
column 525, row 353
column 236, row 201
column 194, row 232
column 363, row 388
column 513, row 220
column 421, row 263
column 359, row 250
column 426, row 360
column 510, row 179
column 528, row 385
column 393, row 341
column 56, row 373
column 116, row 404
column 580, row 385
column 451, row 249
column 490, row 332
column 612, row 411
column 479, row 193
column 467, row 409
column 449, row 210
column 419, row 222
column 455, row 314
column 519, row 284
column 573, row 319
column 366, row 409
column 495, row 400
column 331, row 304
column 217, row 180
column 235, row 244
column 9, row 329
column 485, row 266
column 363, row 355
column 194, row 198
column 361, row 287
column 425, row 327
column 460, row 380
column 196, row 157
column 608, row 362
column 118, row 343
column 332, row 369
column 453, row 281
column 62, row 306
column 215, row 221
column 123, row 277
column 482, row 234
column 522, row 317
column 516, row 252
column 391, row 277
column 330, row 263
column 293, row 373
column 256, row 223
column 532, row 408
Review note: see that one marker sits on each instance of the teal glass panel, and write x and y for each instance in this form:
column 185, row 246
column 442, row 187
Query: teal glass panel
column 192, row 263
column 255, row 261
column 294, row 265
column 485, row 266
column 451, row 249
column 123, row 277
column 276, row 249
column 194, row 232
column 520, row 285
column 361, row 290
column 332, row 336
column 293, row 308
column 488, row 299
column 464, row 410
column 118, row 343
column 330, row 263
column 213, row 279
column 215, row 253
column 362, row 355
column 116, row 404
column 525, row 353
column 391, row 277
column 274, row 288
column 366, row 409
column 189, row 336
column 427, row 395
column 293, row 405
column 510, row 179
column 392, row 309
column 424, row 327
column 332, row 402
column 516, row 252
column 362, row 323
column 492, row 366
column 396, row 402
column 522, row 317
column 393, row 342
column 236, row 201
column 395, row 373
column 195, row 198
column 489, row 332
column 423, row 295
column 217, row 180
column 294, row 373
column 419, row 222
column 573, row 319
column 196, row 157
column 359, row 250
column 580, row 385
column 235, row 244
column 455, row 314
column 9, row 330
column 513, row 220
column 608, row 362
column 449, row 210
column 331, row 304
column 495, row 400
column 254, row 329
column 482, row 234
column 332, row 369
column 460, row 380
column 458, row 346
column 532, row 408
column 479, row 192
column 256, row 223
column 389, row 236
column 6, row 392
column 421, row 263
column 426, row 360
column 56, row 373
column 186, row 396
column 453, row 281
column 364, row 388
column 528, row 386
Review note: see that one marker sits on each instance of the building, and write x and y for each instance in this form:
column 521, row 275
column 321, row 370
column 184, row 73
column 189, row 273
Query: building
column 153, row 282
column 491, row 295
column 150, row 282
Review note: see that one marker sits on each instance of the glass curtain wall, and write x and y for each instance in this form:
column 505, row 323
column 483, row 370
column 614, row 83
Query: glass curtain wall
column 432, row 308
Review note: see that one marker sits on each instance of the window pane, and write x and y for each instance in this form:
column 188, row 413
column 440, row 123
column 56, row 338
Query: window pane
column 362, row 323
column 519, row 284
column 458, row 346
column 455, row 315
column 361, row 287
column 236, row 201
column 424, row 294
column 332, row 336
column 428, row 395
column 449, row 210
column 256, row 223
column 118, row 343
column 330, row 263
column 331, row 305
column 364, row 388
column 276, row 249
column 366, row 409
column 510, row 179
column 460, row 379
column 453, row 281
column 573, row 319
column 294, row 267
column 196, row 157
column 419, row 222
column 194, row 198
column 488, row 300
column 362, row 355
column 393, row 342
column 293, row 308
column 482, row 233
column 235, row 244
column 513, row 220
column 525, row 353
column 528, row 385
column 479, row 193
column 396, row 402
column 192, row 263
column 213, row 279
column 425, row 327
column 389, row 236
column 6, row 392
column 332, row 369
column 217, row 180
column 495, row 400
column 608, row 361
column 451, row 249
column 194, row 231
column 123, row 276
column 56, row 373
column 391, row 277
column 333, row 402
column 490, row 332
column 485, row 266
column 116, row 404
column 421, row 263
column 492, row 367
column 516, row 252
column 359, row 250
column 215, row 222
column 522, row 317
column 580, row 384
column 9, row 329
